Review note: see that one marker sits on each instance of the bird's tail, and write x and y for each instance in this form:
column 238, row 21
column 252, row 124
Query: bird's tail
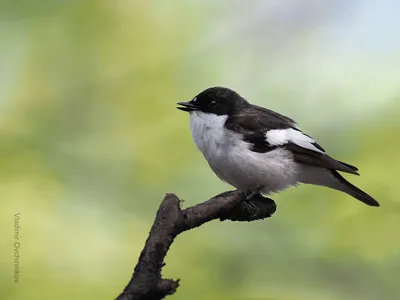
column 345, row 186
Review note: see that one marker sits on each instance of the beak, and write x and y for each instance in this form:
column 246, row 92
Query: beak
column 187, row 106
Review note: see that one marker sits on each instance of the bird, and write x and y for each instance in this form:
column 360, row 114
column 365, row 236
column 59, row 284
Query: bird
column 259, row 151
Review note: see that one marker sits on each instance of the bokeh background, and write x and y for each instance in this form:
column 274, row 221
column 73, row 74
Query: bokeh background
column 90, row 141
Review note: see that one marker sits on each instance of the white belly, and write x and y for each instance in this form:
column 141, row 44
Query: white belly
column 233, row 162
column 247, row 171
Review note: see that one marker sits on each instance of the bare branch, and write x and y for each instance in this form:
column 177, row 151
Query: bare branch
column 146, row 282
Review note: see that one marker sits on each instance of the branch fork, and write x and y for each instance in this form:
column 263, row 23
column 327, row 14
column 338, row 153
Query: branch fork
column 146, row 282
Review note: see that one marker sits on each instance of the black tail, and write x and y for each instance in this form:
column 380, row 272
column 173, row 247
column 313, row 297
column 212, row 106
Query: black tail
column 354, row 191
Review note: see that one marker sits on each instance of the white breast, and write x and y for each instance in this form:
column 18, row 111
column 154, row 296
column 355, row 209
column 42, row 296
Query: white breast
column 232, row 160
column 209, row 133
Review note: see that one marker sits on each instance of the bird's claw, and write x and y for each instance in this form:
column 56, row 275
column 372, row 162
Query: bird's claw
column 254, row 193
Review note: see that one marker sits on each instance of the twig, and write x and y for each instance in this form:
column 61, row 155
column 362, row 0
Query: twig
column 146, row 282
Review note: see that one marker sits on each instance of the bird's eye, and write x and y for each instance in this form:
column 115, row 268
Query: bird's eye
column 213, row 103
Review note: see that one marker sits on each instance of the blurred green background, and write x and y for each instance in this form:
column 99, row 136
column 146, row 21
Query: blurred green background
column 90, row 141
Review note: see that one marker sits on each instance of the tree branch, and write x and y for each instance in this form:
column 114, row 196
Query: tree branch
column 146, row 282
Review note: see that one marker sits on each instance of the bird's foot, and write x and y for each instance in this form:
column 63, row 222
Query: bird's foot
column 254, row 193
column 251, row 204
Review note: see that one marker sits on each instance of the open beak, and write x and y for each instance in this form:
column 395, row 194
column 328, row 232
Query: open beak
column 187, row 106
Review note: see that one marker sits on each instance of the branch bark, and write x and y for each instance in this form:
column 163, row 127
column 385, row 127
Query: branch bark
column 146, row 282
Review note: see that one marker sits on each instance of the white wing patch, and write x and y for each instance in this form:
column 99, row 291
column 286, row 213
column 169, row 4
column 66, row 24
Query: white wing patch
column 278, row 137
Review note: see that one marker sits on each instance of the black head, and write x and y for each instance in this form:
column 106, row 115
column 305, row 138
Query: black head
column 215, row 100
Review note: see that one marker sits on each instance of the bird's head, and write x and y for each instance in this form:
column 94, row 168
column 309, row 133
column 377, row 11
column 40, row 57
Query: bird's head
column 215, row 100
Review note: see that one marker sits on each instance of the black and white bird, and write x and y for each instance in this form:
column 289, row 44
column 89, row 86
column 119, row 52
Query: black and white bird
column 260, row 151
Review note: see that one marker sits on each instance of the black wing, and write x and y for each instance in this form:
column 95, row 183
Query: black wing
column 319, row 159
column 255, row 122
column 256, row 118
